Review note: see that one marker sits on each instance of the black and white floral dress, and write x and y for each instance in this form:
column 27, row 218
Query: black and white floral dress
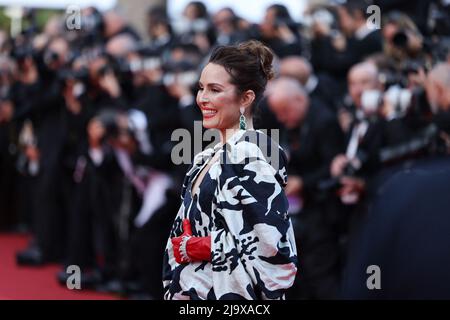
column 241, row 204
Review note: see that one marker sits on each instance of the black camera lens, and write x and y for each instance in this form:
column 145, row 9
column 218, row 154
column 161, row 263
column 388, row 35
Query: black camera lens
column 104, row 70
column 400, row 40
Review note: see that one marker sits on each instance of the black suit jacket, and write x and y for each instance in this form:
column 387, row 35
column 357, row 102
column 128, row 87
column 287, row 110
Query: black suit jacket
column 327, row 91
column 406, row 234
column 313, row 146
column 369, row 146
column 325, row 57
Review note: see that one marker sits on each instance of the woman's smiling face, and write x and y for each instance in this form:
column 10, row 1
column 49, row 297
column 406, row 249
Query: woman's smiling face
column 217, row 98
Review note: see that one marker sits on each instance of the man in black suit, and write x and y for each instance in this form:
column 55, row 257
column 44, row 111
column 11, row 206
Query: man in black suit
column 364, row 138
column 405, row 239
column 364, row 129
column 45, row 107
column 313, row 139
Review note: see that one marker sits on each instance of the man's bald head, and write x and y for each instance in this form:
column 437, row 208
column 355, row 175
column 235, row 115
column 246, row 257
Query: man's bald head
column 288, row 100
column 367, row 68
column 113, row 22
column 296, row 67
column 286, row 87
column 438, row 87
column 121, row 45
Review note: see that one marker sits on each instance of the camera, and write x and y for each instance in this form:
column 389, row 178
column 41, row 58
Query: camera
column 81, row 76
column 91, row 32
column 333, row 184
column 104, row 70
column 371, row 101
column 183, row 72
column 22, row 52
column 426, row 140
column 323, row 16
column 109, row 119
column 141, row 64
column 187, row 78
column 399, row 100
column 191, row 27
column 400, row 40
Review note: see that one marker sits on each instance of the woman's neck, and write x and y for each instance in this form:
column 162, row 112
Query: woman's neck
column 225, row 134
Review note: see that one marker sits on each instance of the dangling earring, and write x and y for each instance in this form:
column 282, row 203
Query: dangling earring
column 242, row 123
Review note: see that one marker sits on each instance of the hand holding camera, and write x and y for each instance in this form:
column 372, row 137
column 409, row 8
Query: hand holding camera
column 28, row 73
column 6, row 111
column 321, row 22
column 285, row 33
column 72, row 103
column 338, row 165
column 178, row 90
column 109, row 82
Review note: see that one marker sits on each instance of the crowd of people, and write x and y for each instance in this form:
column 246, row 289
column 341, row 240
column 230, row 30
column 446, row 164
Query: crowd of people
column 87, row 116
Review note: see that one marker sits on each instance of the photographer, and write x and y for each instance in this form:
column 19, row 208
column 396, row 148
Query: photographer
column 195, row 27
column 227, row 27
column 402, row 40
column 44, row 105
column 104, row 85
column 101, row 197
column 159, row 30
column 180, row 81
column 335, row 51
column 97, row 197
column 313, row 140
column 280, row 31
column 8, row 177
column 365, row 130
column 144, row 157
column 353, row 170
column 417, row 10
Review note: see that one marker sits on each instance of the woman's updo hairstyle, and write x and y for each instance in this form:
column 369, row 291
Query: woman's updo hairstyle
column 249, row 65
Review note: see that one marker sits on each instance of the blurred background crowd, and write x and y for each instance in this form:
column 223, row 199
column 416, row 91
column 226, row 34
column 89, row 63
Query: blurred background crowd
column 86, row 119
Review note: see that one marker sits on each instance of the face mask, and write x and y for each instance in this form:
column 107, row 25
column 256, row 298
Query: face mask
column 370, row 101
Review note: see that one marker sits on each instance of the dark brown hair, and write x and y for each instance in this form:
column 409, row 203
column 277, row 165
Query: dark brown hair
column 249, row 65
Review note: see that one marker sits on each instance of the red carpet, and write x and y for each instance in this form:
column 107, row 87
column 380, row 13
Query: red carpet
column 30, row 283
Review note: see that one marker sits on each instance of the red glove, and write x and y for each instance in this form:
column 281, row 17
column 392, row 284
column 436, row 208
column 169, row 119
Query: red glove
column 187, row 248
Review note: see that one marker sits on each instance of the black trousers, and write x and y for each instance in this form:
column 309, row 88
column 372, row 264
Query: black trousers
column 52, row 201
column 8, row 179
